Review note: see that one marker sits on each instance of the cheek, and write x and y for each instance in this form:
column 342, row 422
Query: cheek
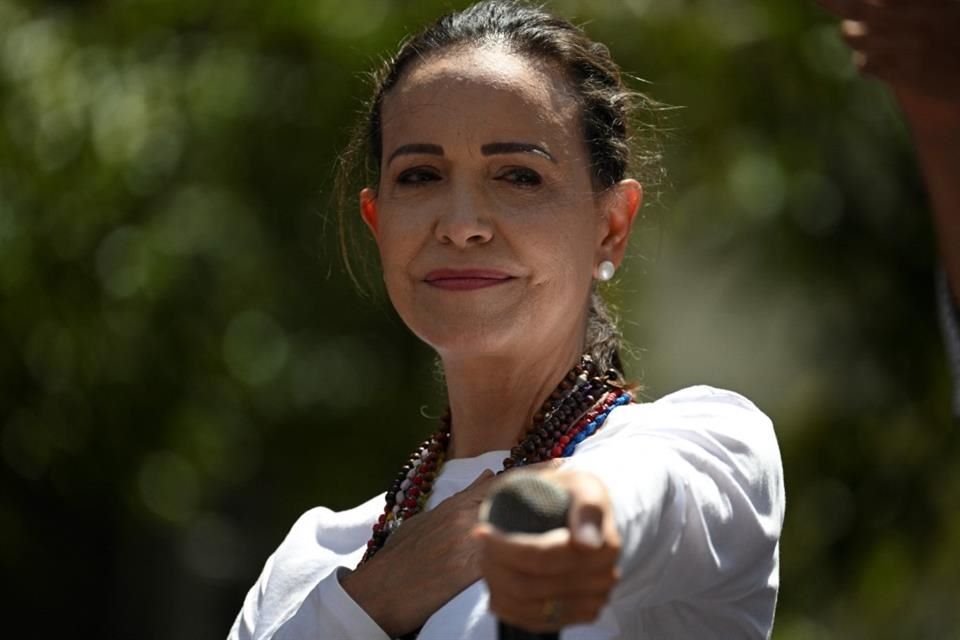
column 396, row 236
column 564, row 246
column 399, row 245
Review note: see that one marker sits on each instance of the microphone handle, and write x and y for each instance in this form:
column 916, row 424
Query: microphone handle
column 527, row 504
column 508, row 632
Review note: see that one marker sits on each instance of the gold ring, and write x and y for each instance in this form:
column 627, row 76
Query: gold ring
column 551, row 611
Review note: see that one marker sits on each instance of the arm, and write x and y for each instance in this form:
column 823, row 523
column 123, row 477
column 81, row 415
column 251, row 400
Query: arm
column 430, row 556
column 697, row 484
column 913, row 48
column 688, row 491
column 298, row 593
column 935, row 126
column 306, row 591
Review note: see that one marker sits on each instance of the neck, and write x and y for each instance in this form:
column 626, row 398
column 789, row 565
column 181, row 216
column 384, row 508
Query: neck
column 493, row 399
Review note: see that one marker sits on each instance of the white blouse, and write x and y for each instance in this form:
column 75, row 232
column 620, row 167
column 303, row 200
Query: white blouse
column 697, row 487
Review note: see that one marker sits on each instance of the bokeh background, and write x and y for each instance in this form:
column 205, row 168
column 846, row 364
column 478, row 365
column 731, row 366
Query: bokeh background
column 185, row 367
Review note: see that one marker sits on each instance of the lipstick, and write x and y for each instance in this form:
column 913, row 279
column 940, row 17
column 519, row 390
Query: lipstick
column 466, row 279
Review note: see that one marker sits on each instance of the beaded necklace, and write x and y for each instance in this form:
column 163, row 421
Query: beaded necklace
column 573, row 412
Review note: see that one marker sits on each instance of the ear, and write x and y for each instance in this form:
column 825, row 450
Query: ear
column 619, row 205
column 368, row 209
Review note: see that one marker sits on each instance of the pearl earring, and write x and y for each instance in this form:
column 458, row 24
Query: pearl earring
column 605, row 271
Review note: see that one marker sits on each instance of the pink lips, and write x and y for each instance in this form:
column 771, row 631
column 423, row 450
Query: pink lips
column 466, row 279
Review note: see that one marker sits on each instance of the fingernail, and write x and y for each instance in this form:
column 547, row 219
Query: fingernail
column 853, row 28
column 588, row 534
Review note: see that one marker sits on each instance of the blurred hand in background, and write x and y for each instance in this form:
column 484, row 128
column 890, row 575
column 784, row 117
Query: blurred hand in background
column 912, row 46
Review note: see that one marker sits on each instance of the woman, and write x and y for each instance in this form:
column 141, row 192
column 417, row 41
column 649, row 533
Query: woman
column 501, row 197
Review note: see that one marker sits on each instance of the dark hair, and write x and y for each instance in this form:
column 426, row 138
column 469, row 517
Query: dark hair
column 607, row 108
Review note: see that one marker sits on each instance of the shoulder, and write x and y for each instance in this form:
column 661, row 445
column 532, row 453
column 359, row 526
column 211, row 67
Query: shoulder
column 707, row 396
column 694, row 407
column 694, row 423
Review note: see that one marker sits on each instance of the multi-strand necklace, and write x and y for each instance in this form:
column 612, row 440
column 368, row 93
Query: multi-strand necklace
column 573, row 412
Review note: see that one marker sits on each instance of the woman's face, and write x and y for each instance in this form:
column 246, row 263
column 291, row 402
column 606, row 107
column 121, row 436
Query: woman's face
column 487, row 223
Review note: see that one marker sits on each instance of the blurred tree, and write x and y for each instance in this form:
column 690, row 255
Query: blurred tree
column 185, row 368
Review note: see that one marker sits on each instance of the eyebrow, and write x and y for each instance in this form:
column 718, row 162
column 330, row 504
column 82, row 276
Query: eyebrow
column 493, row 148
column 417, row 148
column 515, row 147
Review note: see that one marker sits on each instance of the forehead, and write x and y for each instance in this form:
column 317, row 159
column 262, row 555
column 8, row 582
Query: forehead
column 480, row 91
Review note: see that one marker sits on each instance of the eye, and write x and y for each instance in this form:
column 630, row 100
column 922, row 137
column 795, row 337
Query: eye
column 417, row 176
column 520, row 176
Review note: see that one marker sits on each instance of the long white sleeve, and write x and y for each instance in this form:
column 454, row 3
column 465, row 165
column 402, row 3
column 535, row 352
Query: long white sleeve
column 697, row 486
column 298, row 595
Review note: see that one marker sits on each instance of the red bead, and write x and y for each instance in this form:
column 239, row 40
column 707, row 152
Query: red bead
column 564, row 440
column 413, row 491
column 416, row 480
column 409, row 503
column 556, row 452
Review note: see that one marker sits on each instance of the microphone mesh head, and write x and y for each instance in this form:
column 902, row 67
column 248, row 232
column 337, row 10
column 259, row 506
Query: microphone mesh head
column 525, row 503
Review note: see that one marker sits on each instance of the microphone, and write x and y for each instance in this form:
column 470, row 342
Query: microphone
column 526, row 503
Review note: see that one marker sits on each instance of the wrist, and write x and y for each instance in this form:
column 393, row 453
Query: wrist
column 368, row 589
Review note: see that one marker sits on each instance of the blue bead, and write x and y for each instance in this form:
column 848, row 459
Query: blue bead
column 568, row 451
column 579, row 437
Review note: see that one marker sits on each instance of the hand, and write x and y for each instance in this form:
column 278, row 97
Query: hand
column 542, row 582
column 912, row 46
column 424, row 563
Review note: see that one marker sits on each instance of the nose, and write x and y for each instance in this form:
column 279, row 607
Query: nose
column 466, row 221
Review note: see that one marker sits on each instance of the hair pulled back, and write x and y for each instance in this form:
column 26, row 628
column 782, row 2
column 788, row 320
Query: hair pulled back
column 607, row 108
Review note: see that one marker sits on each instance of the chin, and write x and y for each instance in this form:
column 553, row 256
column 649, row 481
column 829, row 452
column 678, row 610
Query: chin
column 477, row 337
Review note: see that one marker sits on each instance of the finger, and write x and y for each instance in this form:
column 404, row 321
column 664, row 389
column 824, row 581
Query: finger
column 478, row 488
column 854, row 31
column 547, row 465
column 534, row 616
column 862, row 37
column 912, row 22
column 484, row 476
column 521, row 586
column 549, row 553
column 591, row 518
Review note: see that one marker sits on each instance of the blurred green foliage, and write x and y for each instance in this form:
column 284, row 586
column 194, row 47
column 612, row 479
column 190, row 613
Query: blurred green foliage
column 185, row 368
